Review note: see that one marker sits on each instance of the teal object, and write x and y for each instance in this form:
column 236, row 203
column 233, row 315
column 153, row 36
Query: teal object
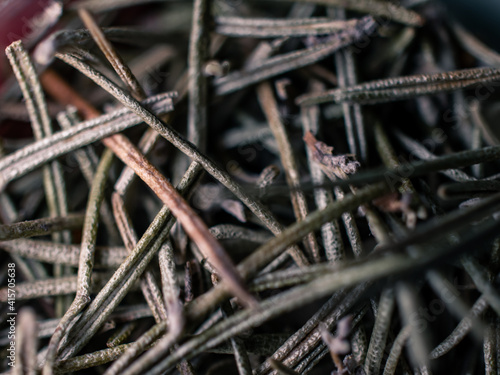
column 481, row 17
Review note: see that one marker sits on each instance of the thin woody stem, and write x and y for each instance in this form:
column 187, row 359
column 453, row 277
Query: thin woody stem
column 191, row 222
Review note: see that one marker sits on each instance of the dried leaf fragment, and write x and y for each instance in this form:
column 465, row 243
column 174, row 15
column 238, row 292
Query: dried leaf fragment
column 333, row 166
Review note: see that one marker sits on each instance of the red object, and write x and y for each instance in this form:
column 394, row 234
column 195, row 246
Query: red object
column 15, row 129
column 26, row 20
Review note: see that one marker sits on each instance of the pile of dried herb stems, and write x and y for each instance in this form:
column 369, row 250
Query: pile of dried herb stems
column 238, row 187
